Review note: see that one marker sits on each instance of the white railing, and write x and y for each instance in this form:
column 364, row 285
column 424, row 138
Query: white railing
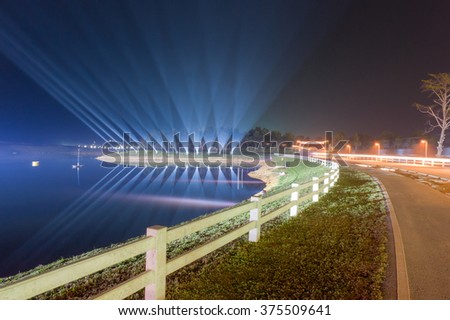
column 155, row 245
column 430, row 161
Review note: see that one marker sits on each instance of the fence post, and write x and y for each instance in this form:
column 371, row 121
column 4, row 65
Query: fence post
column 255, row 215
column 315, row 189
column 332, row 177
column 156, row 262
column 326, row 182
column 294, row 199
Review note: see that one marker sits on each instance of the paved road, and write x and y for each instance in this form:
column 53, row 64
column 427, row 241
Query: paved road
column 424, row 218
column 437, row 171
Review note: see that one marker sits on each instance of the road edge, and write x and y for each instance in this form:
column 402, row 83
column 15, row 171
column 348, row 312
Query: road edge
column 403, row 292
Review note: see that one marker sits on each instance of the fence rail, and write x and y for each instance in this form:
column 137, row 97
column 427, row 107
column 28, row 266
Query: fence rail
column 155, row 245
column 430, row 161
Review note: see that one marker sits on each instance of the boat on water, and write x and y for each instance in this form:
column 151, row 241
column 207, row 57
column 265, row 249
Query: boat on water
column 78, row 165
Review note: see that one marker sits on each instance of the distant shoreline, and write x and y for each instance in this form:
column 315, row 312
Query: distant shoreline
column 264, row 172
column 267, row 175
column 181, row 160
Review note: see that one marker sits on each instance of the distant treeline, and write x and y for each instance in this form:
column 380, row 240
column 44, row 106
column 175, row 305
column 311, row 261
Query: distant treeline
column 358, row 141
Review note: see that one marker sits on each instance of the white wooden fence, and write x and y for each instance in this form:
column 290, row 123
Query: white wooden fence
column 430, row 161
column 155, row 245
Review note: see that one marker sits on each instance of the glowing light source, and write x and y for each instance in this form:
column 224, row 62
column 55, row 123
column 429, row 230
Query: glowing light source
column 377, row 145
column 35, row 163
column 158, row 70
column 426, row 147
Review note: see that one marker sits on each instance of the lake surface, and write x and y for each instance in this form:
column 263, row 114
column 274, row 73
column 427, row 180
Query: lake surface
column 52, row 210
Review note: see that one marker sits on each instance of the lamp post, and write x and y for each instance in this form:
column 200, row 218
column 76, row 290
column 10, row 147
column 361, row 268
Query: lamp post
column 349, row 147
column 378, row 145
column 426, row 147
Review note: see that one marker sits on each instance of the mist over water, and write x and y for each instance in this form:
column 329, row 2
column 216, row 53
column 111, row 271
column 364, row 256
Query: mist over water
column 54, row 211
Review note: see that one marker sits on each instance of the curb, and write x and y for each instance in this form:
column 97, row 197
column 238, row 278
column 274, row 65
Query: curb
column 424, row 174
column 403, row 292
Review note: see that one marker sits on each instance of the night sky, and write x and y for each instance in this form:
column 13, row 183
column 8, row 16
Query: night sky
column 336, row 65
column 366, row 74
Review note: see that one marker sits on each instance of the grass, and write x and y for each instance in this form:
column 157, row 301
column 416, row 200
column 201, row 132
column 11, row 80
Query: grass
column 304, row 172
column 435, row 183
column 335, row 249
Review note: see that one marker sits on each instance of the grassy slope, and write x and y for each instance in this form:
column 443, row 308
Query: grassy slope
column 335, row 249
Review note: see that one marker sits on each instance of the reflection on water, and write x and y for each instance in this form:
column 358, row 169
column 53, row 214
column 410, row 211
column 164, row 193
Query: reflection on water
column 53, row 211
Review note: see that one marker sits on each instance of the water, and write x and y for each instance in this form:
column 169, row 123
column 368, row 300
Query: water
column 54, row 211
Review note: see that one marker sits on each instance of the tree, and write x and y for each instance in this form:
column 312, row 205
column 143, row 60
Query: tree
column 276, row 136
column 338, row 136
column 356, row 141
column 398, row 142
column 288, row 136
column 255, row 134
column 388, row 137
column 438, row 87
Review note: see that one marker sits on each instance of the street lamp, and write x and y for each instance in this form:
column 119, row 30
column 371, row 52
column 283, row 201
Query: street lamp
column 426, row 147
column 349, row 147
column 378, row 145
